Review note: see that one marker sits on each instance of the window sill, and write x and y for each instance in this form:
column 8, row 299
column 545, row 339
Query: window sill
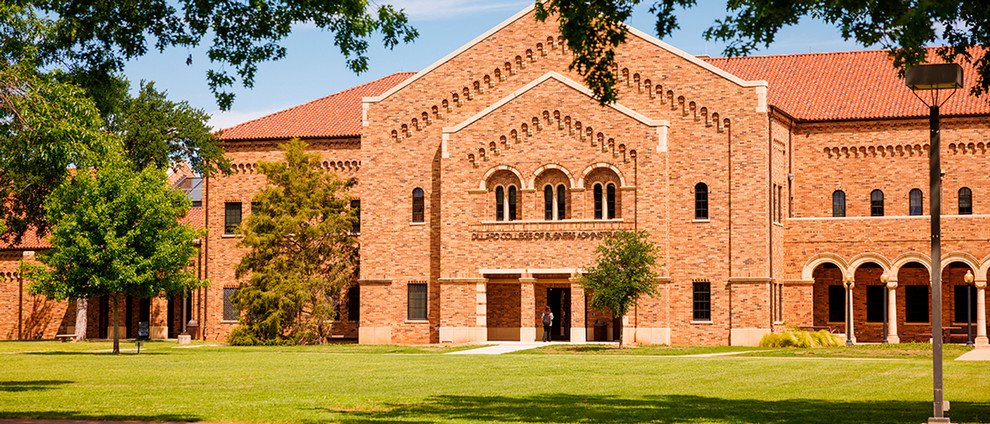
column 225, row 235
column 417, row 321
column 229, row 321
column 699, row 221
column 778, row 223
column 709, row 322
column 921, row 323
column 417, row 224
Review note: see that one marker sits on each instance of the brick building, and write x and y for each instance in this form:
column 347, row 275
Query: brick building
column 487, row 180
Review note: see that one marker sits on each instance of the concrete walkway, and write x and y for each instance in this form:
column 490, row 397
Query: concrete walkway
column 499, row 348
column 978, row 354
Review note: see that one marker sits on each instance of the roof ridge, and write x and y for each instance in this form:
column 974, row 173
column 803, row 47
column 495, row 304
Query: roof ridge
column 847, row 52
column 356, row 87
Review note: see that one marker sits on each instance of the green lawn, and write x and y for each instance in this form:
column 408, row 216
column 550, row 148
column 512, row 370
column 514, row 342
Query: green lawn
column 369, row 384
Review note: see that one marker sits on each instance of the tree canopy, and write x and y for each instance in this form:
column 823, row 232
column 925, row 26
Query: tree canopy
column 593, row 30
column 116, row 232
column 302, row 255
column 622, row 272
column 97, row 38
column 45, row 126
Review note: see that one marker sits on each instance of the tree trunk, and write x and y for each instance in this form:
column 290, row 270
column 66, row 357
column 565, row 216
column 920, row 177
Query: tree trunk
column 116, row 325
column 620, row 333
column 81, row 323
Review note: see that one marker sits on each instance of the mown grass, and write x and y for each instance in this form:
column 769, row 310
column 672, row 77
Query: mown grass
column 324, row 384
column 611, row 349
column 902, row 351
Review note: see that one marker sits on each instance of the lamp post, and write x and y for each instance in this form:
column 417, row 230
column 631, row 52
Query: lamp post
column 932, row 79
column 884, row 279
column 969, row 307
column 848, row 282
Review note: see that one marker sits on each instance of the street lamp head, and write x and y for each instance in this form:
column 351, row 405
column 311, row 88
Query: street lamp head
column 934, row 77
column 968, row 278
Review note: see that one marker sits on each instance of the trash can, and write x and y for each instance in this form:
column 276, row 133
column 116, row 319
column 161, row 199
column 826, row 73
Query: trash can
column 192, row 328
column 601, row 330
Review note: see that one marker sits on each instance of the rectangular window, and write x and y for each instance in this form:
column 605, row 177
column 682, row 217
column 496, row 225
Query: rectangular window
column 231, row 217
column 230, row 312
column 960, row 304
column 702, row 301
column 354, row 303
column 874, row 303
column 916, row 303
column 356, row 205
column 836, row 303
column 417, row 301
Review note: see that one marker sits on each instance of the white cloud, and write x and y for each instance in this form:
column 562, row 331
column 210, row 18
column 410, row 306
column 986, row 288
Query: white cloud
column 429, row 10
column 220, row 120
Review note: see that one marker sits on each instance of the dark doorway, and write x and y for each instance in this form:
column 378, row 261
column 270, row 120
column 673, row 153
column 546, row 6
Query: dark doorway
column 559, row 300
column 177, row 314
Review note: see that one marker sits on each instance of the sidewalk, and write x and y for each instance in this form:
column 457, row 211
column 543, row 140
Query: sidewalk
column 506, row 347
column 978, row 354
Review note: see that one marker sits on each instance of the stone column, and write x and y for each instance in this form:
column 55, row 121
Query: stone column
column 527, row 298
column 981, row 314
column 850, row 310
column 579, row 331
column 892, row 312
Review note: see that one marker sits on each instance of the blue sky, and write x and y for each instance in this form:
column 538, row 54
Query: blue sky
column 314, row 68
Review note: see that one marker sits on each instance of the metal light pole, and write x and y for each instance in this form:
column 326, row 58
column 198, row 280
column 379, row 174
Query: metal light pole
column 969, row 307
column 884, row 279
column 932, row 79
column 849, row 309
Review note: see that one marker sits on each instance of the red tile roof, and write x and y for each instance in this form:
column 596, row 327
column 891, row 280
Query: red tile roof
column 30, row 241
column 336, row 115
column 844, row 85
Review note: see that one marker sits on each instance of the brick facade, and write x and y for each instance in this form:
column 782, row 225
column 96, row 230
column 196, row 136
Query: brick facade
column 494, row 124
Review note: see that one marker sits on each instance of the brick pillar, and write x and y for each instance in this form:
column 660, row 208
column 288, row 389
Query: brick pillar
column 527, row 309
column 981, row 314
column 892, row 312
column 579, row 331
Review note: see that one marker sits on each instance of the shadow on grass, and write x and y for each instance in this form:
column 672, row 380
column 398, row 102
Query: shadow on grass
column 563, row 408
column 70, row 415
column 32, row 385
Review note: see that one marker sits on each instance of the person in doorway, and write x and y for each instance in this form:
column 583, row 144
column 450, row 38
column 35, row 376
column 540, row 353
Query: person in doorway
column 547, row 323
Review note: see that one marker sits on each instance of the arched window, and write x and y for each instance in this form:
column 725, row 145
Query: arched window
column 500, row 203
column 548, row 202
column 599, row 205
column 915, row 200
column 554, row 202
column 876, row 203
column 701, row 201
column 418, row 205
column 965, row 201
column 511, row 212
column 610, row 200
column 838, row 204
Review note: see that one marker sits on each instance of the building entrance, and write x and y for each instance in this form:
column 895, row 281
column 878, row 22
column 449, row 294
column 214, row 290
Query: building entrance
column 559, row 300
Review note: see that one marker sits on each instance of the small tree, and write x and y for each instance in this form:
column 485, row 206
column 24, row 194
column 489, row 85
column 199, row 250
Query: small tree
column 622, row 273
column 302, row 254
column 116, row 232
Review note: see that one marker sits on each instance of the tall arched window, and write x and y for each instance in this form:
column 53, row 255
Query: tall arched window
column 500, row 203
column 548, row 202
column 599, row 204
column 701, row 201
column 965, row 201
column 876, row 203
column 838, row 204
column 610, row 200
column 511, row 212
column 418, row 205
column 561, row 201
column 915, row 200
